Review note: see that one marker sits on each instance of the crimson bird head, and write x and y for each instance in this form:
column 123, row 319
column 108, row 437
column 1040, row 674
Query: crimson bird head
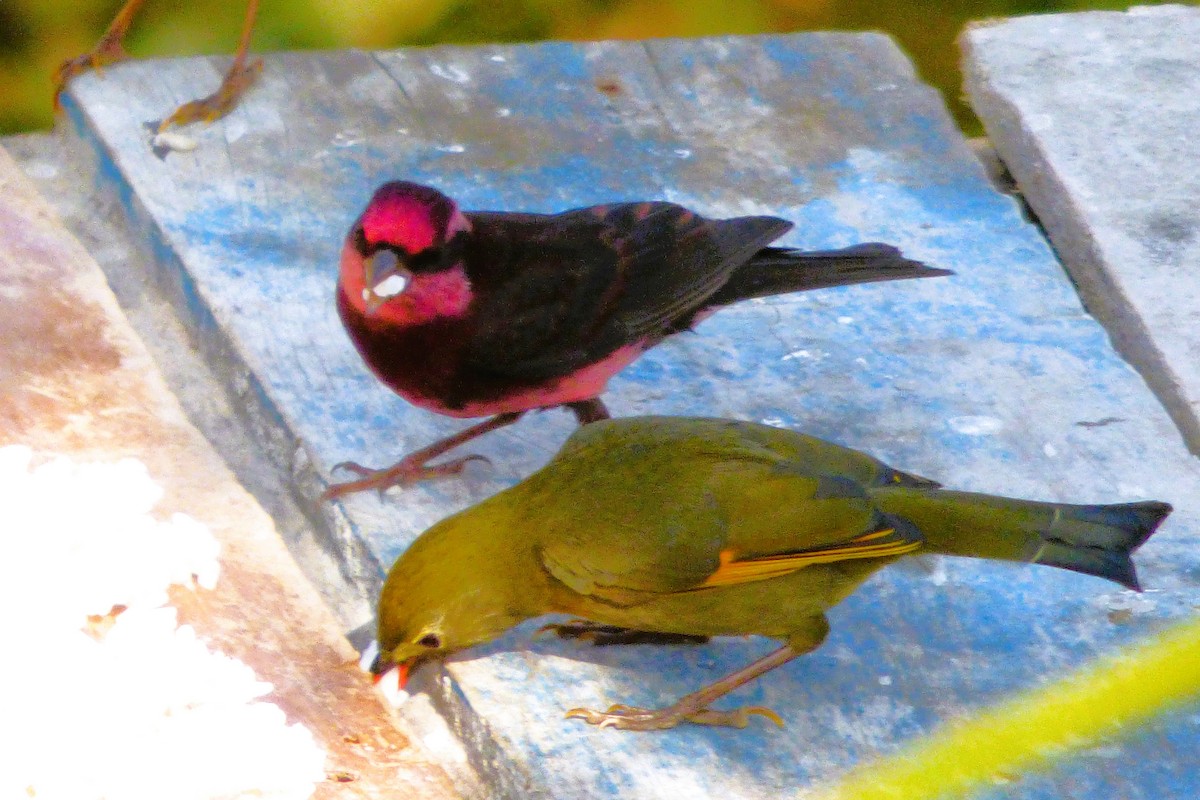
column 403, row 258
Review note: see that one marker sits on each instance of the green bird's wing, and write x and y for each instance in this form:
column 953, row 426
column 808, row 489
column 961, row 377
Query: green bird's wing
column 650, row 506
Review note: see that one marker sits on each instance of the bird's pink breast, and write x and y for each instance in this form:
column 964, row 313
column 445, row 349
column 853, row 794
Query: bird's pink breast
column 583, row 384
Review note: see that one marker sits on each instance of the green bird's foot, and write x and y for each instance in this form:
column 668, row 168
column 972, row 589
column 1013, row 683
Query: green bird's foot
column 604, row 635
column 630, row 718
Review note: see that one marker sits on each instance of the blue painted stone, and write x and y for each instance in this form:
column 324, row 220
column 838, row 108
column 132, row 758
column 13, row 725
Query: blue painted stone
column 988, row 380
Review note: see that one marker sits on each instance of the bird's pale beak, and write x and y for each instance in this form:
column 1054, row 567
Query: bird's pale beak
column 384, row 277
column 372, row 301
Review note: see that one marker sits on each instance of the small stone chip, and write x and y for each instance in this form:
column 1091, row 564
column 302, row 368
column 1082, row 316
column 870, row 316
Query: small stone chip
column 172, row 141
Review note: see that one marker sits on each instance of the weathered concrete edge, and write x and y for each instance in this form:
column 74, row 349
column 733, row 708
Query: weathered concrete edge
column 256, row 452
column 129, row 409
column 1065, row 225
column 264, row 423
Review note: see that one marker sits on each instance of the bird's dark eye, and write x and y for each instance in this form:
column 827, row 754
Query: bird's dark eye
column 360, row 240
column 428, row 260
column 437, row 258
column 430, row 640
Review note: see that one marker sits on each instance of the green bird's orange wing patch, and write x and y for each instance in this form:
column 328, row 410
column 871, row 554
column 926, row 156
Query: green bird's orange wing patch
column 876, row 544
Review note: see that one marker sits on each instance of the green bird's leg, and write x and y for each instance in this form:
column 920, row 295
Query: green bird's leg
column 603, row 635
column 695, row 706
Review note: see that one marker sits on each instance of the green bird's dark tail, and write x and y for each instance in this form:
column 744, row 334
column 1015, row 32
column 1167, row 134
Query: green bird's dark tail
column 779, row 270
column 1092, row 539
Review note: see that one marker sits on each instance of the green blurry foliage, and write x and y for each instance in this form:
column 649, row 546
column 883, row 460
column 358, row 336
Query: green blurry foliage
column 35, row 35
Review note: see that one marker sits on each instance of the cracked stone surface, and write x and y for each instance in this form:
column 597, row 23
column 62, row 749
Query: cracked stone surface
column 993, row 380
column 1095, row 115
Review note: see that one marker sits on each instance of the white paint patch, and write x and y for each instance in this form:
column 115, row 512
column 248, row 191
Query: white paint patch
column 938, row 575
column 347, row 138
column 797, row 354
column 1127, row 601
column 175, row 142
column 450, row 148
column 142, row 708
column 885, row 680
column 42, row 170
column 503, row 112
column 11, row 292
column 975, row 425
column 683, row 152
column 845, row 320
column 390, row 286
column 774, row 422
column 498, row 59
column 450, row 72
column 235, row 128
column 1050, row 450
column 1041, row 122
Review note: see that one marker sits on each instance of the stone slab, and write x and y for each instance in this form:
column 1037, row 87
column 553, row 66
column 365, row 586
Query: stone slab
column 994, row 380
column 1095, row 115
column 76, row 381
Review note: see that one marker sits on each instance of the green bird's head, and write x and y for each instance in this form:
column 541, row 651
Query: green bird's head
column 458, row 585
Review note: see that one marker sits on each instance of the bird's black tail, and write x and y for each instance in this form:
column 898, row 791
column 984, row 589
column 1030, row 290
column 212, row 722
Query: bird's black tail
column 778, row 270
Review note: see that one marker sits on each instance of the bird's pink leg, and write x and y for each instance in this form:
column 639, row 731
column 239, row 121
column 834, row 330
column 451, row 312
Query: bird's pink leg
column 589, row 411
column 412, row 468
column 695, row 707
column 109, row 50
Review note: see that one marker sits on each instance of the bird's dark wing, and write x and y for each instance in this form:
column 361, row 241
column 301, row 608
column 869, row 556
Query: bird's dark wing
column 557, row 292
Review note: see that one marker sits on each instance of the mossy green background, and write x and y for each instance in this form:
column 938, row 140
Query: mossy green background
column 35, row 35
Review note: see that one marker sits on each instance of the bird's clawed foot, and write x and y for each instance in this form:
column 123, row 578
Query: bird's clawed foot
column 406, row 472
column 108, row 50
column 238, row 79
column 630, row 718
column 603, row 635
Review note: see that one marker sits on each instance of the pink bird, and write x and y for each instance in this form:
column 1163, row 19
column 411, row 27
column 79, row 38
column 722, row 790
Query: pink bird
column 491, row 314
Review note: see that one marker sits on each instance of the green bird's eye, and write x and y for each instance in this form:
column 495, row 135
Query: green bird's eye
column 430, row 640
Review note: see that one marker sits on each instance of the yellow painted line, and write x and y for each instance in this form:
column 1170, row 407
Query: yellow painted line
column 1037, row 728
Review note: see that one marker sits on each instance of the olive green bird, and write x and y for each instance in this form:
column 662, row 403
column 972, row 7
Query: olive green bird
column 688, row 528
